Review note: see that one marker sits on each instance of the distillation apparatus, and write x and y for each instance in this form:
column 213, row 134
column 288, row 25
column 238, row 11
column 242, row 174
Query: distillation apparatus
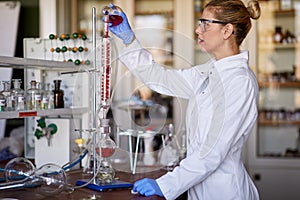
column 105, row 148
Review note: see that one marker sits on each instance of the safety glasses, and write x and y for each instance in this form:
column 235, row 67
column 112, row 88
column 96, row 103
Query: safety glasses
column 203, row 23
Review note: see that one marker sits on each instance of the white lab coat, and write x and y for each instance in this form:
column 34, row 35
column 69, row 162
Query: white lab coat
column 220, row 116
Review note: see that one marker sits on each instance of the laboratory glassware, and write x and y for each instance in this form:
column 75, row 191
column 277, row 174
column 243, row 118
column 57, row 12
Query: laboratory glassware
column 18, row 95
column 2, row 102
column 49, row 179
column 110, row 15
column 58, row 95
column 6, row 92
column 33, row 97
column 48, row 98
column 106, row 149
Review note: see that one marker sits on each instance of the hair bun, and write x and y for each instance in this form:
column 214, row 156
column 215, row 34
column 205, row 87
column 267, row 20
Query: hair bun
column 254, row 9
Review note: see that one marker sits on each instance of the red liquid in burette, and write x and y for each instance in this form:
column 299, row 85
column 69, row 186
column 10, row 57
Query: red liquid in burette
column 115, row 19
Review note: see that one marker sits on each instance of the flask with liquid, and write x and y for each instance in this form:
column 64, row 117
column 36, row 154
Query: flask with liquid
column 33, row 97
column 105, row 149
column 18, row 95
column 113, row 13
column 58, row 95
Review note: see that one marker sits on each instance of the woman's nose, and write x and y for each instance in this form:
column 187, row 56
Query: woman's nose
column 198, row 30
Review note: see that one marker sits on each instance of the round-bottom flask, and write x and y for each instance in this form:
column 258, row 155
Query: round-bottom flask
column 106, row 149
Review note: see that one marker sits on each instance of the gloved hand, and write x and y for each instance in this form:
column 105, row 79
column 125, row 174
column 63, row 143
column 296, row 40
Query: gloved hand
column 147, row 187
column 123, row 30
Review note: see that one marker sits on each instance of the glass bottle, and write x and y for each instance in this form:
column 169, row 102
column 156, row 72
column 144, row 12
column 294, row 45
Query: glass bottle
column 58, row 95
column 33, row 97
column 40, row 87
column 6, row 92
column 278, row 35
column 298, row 142
column 18, row 95
column 48, row 98
column 2, row 102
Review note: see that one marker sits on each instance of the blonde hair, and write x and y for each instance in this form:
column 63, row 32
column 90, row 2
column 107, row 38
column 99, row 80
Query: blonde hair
column 236, row 13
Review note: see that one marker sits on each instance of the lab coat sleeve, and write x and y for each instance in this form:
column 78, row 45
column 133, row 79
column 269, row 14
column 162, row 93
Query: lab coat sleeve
column 240, row 115
column 179, row 83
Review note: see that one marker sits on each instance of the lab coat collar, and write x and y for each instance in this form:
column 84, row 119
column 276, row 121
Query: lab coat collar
column 232, row 61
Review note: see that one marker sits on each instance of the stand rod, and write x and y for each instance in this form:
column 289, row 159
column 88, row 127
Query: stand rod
column 94, row 91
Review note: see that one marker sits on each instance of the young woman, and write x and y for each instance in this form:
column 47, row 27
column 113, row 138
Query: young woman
column 222, row 108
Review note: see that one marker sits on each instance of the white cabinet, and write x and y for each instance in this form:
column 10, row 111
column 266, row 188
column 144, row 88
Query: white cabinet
column 76, row 110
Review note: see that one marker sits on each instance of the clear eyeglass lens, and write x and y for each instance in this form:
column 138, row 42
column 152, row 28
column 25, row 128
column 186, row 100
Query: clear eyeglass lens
column 202, row 25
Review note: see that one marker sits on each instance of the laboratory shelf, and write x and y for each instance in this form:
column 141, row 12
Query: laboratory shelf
column 273, row 46
column 43, row 113
column 16, row 62
column 278, row 123
column 287, row 84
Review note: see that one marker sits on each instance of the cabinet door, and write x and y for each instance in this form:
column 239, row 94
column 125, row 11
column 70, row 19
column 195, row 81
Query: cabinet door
column 276, row 184
column 278, row 68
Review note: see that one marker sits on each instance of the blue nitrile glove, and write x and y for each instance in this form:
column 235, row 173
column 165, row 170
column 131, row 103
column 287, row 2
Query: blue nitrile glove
column 147, row 187
column 123, row 30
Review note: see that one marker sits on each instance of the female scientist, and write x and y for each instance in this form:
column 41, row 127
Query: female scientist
column 222, row 108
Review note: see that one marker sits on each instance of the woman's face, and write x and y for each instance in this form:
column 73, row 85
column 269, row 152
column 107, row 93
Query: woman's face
column 210, row 35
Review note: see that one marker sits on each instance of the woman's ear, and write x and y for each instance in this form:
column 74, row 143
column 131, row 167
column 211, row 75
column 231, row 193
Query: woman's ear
column 228, row 30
